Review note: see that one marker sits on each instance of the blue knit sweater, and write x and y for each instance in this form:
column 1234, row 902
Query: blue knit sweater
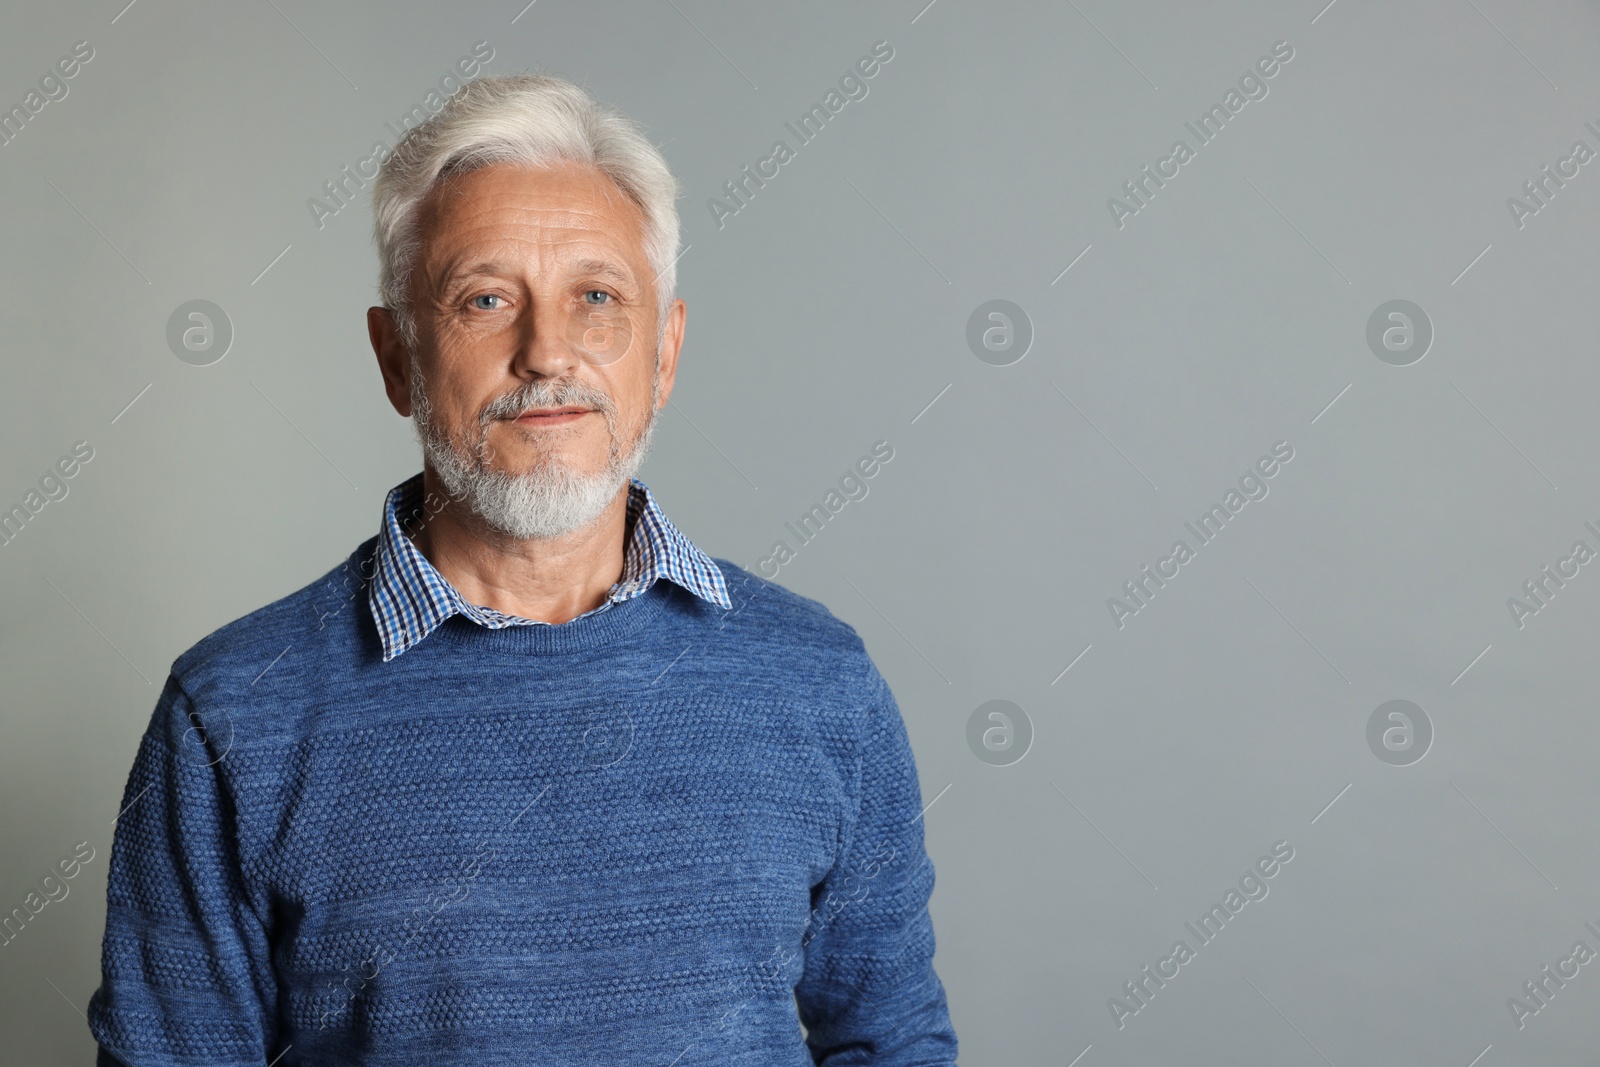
column 665, row 833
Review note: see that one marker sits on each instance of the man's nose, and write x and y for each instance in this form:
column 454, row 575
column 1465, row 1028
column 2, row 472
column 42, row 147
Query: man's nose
column 543, row 347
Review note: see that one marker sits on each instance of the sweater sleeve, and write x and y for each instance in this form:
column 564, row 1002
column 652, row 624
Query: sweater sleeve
column 868, row 993
column 186, row 970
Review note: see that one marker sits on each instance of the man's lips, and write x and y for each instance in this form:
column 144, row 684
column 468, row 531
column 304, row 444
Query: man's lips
column 550, row 416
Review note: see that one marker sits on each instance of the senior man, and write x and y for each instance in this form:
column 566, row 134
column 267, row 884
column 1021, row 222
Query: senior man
column 529, row 778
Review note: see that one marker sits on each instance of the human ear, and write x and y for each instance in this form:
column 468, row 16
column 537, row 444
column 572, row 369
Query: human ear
column 394, row 362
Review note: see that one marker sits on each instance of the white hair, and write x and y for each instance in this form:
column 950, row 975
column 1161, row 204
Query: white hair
column 531, row 120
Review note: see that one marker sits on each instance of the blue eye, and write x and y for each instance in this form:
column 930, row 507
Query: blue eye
column 596, row 292
column 485, row 296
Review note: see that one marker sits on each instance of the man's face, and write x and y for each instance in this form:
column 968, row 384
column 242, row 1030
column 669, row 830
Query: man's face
column 535, row 313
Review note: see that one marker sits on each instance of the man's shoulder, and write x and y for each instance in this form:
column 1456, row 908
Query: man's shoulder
column 319, row 616
column 765, row 607
column 795, row 646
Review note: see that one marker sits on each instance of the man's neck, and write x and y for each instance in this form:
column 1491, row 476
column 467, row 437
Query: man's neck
column 549, row 580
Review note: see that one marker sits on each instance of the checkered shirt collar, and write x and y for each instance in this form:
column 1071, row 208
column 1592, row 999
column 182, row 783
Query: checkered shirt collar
column 410, row 598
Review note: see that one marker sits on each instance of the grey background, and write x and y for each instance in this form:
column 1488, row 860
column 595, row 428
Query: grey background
column 826, row 315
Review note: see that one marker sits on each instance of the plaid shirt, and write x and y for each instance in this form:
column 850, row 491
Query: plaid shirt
column 409, row 598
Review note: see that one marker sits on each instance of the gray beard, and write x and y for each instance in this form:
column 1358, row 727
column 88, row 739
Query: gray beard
column 552, row 499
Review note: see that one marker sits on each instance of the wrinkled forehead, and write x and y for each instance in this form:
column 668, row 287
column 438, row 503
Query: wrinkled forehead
column 565, row 205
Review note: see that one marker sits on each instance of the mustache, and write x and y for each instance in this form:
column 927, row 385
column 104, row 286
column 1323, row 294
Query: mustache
column 539, row 393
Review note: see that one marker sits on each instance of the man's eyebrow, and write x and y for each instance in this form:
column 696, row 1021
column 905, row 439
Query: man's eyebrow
column 457, row 274
column 605, row 269
column 602, row 268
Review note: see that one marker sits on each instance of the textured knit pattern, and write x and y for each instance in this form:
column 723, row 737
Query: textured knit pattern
column 410, row 597
column 649, row 835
